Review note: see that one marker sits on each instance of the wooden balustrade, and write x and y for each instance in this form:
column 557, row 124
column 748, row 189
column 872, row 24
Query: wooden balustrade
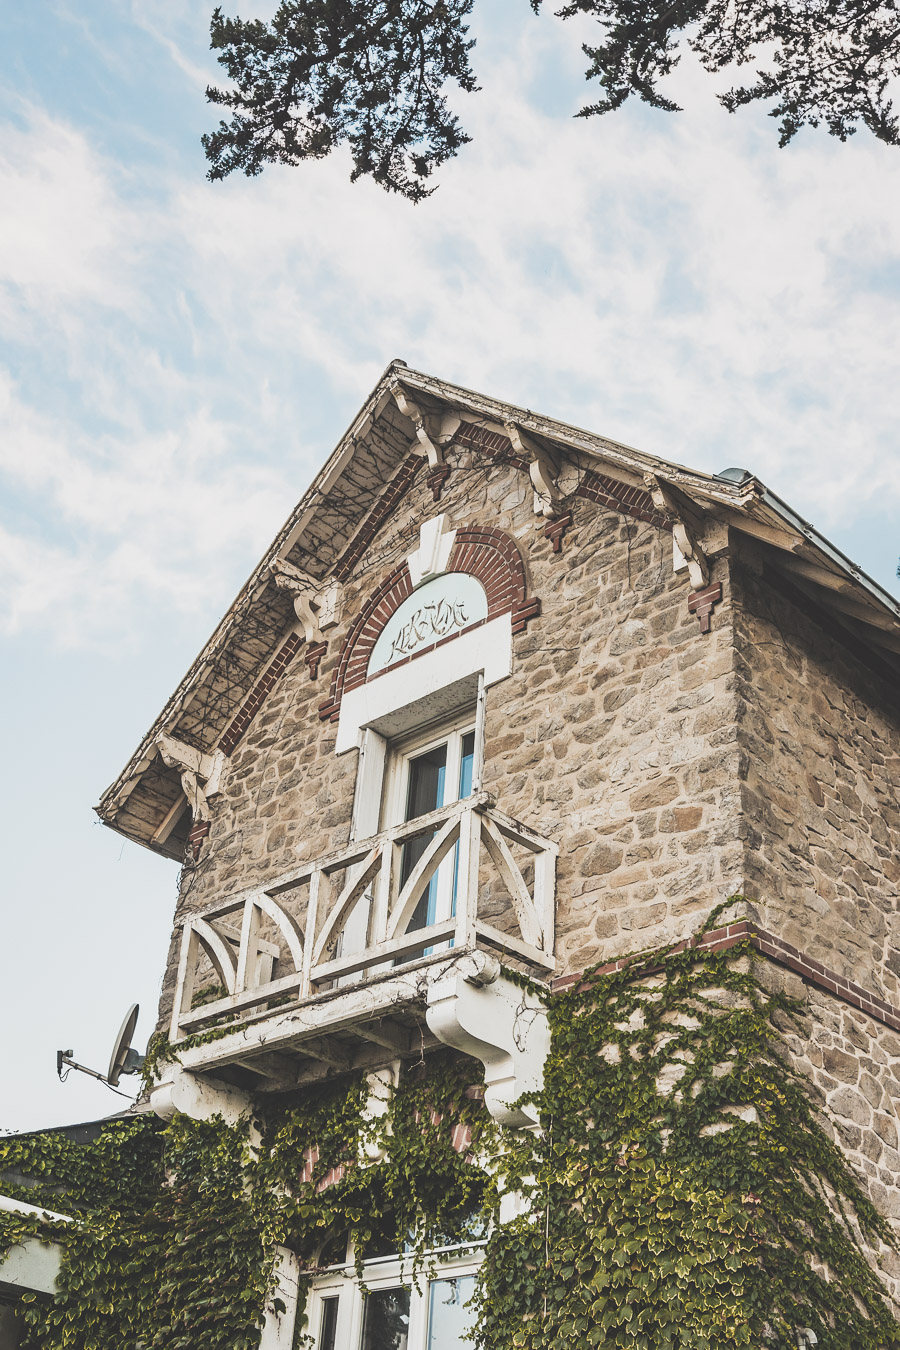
column 282, row 944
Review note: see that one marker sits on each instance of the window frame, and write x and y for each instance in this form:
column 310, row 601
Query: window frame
column 382, row 1273
column 401, row 750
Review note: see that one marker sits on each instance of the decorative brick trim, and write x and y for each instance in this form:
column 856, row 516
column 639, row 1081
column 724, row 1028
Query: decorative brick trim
column 594, row 487
column 630, row 501
column 460, row 1142
column 436, row 480
column 196, row 836
column 776, row 949
column 555, row 530
column 313, row 657
column 701, row 603
column 396, row 489
column 258, row 694
column 490, row 443
column 350, row 671
column 489, row 555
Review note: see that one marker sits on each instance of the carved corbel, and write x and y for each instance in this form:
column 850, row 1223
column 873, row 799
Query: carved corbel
column 430, row 439
column 200, row 776
column 689, row 554
column 542, row 469
column 427, row 436
column 316, row 606
column 484, row 1014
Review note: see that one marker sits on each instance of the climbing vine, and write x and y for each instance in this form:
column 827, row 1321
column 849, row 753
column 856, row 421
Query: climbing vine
column 683, row 1193
column 177, row 1226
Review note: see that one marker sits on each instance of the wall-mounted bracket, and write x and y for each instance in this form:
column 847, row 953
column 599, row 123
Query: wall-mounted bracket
column 687, row 551
column 201, row 1098
column 317, row 605
column 428, row 434
column 543, row 470
column 200, row 773
column 477, row 1010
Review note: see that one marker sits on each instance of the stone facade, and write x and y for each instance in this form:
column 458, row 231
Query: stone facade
column 820, row 798
column 674, row 768
column 616, row 735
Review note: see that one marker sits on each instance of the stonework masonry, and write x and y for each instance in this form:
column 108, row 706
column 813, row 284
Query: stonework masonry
column 674, row 768
column 821, row 790
column 616, row 735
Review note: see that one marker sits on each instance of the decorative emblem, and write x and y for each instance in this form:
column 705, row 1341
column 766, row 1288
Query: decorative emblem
column 440, row 608
column 427, row 624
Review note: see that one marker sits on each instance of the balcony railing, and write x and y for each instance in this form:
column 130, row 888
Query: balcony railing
column 255, row 955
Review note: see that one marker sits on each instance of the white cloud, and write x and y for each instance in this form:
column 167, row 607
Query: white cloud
column 676, row 282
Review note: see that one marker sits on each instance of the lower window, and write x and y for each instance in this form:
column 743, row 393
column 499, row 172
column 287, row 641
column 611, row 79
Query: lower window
column 394, row 1312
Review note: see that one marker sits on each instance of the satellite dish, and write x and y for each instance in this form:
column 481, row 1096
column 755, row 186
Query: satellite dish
column 124, row 1059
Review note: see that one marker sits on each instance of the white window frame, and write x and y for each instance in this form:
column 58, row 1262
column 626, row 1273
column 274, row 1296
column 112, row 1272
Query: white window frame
column 403, row 750
column 386, row 1273
column 380, row 798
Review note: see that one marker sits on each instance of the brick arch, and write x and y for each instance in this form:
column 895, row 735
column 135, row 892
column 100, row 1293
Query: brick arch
column 489, row 555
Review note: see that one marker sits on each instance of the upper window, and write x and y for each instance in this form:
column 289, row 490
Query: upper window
column 425, row 773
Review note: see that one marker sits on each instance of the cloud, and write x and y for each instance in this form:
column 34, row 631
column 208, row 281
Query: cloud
column 183, row 356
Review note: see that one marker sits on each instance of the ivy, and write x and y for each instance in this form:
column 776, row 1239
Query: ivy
column 683, row 1193
column 177, row 1225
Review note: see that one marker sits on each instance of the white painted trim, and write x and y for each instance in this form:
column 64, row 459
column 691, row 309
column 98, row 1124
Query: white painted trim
column 383, row 1274
column 10, row 1206
column 487, row 649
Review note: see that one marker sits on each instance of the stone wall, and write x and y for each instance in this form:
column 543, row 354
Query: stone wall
column 821, row 796
column 853, row 1065
column 617, row 733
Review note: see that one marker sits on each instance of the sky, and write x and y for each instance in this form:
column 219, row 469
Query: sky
column 177, row 358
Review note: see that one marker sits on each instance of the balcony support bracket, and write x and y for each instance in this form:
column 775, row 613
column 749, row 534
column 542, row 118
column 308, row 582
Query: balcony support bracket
column 201, row 1098
column 482, row 1013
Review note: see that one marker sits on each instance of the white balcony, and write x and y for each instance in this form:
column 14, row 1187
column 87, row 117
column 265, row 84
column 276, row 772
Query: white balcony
column 321, row 969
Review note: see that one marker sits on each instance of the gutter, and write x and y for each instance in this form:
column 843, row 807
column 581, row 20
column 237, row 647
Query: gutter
column 781, row 508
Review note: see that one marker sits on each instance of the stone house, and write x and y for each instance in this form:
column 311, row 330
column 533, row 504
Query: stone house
column 506, row 694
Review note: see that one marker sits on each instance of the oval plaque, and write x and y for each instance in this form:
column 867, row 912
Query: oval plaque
column 438, row 609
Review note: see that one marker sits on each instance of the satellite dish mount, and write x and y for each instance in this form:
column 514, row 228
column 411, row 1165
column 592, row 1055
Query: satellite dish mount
column 123, row 1060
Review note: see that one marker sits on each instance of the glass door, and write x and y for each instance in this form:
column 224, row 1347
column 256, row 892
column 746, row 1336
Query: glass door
column 426, row 777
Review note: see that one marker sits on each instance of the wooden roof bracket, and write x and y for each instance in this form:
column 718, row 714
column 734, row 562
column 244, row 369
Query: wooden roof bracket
column 427, row 436
column 684, row 536
column 201, row 775
column 543, row 469
column 317, row 605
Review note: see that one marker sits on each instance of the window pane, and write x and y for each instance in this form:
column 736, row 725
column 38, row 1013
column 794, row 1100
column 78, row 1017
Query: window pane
column 449, row 1320
column 328, row 1328
column 466, row 765
column 426, row 782
column 386, row 1321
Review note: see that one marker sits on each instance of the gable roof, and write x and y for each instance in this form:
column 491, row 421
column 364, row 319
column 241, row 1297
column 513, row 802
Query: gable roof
column 407, row 414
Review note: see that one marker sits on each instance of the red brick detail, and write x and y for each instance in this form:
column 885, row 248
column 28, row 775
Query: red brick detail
column 775, row 949
column 395, row 491
column 436, row 480
column 630, row 501
column 350, row 671
column 595, row 487
column 487, row 554
column 313, row 657
column 260, row 691
column 555, row 530
column 460, row 1141
column 198, row 833
column 701, row 603
column 490, row 443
